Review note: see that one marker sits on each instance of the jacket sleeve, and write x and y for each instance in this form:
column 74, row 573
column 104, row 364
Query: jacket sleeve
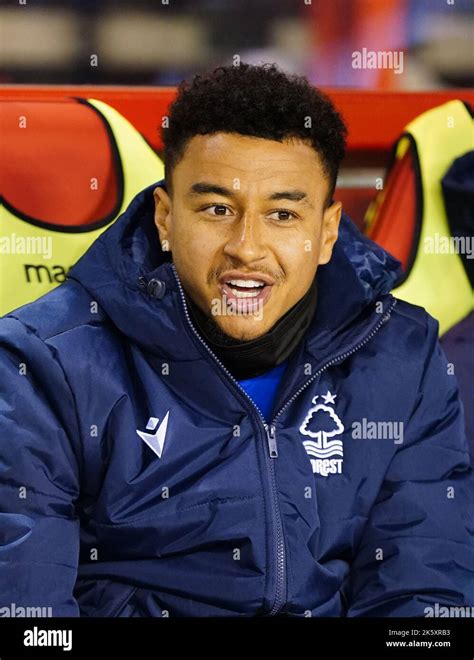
column 39, row 476
column 418, row 545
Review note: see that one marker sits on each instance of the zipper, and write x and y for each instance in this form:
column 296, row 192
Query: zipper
column 270, row 432
column 280, row 555
column 271, row 439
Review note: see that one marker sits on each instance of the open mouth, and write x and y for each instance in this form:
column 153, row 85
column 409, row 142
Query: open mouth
column 245, row 296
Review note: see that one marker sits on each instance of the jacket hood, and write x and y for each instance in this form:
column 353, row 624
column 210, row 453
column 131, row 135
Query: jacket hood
column 359, row 273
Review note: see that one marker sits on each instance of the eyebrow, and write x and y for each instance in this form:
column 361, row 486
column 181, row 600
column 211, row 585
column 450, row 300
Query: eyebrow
column 209, row 188
column 292, row 195
column 204, row 188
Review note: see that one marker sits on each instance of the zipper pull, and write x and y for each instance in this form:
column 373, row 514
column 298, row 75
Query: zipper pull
column 271, row 439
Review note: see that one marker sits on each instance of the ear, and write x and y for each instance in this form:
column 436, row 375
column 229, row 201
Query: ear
column 163, row 216
column 329, row 231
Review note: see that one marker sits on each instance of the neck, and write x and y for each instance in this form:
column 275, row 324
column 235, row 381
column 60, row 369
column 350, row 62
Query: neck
column 247, row 359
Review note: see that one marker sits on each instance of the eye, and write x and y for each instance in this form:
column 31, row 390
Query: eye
column 284, row 215
column 220, row 209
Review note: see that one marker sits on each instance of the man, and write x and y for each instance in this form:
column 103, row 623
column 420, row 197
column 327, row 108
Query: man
column 223, row 411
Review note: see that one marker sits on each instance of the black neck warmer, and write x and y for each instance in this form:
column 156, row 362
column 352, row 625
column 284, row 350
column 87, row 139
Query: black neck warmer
column 247, row 359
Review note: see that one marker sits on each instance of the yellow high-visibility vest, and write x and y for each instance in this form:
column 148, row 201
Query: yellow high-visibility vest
column 26, row 276
column 437, row 279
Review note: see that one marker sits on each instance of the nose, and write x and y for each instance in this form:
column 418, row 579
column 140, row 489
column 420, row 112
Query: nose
column 245, row 243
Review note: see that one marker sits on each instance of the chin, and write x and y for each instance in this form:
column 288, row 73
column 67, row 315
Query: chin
column 243, row 330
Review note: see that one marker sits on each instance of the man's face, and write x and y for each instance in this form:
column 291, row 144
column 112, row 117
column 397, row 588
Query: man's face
column 244, row 212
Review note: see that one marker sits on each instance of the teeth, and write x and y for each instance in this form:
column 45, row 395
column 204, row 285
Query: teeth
column 250, row 284
column 245, row 294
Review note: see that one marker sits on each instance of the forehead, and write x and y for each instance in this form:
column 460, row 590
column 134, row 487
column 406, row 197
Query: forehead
column 255, row 162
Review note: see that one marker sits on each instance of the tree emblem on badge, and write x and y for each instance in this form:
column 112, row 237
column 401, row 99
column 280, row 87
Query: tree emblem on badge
column 322, row 423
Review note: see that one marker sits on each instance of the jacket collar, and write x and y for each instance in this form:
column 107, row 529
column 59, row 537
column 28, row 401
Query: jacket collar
column 119, row 265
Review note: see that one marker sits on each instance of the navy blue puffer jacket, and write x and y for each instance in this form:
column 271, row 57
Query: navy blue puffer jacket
column 135, row 473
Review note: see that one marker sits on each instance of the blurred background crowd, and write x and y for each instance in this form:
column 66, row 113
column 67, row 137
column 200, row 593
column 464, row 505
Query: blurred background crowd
column 159, row 42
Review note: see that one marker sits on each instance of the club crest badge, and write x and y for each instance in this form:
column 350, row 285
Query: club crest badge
column 323, row 425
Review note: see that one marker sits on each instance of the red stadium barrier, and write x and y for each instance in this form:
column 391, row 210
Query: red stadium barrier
column 374, row 118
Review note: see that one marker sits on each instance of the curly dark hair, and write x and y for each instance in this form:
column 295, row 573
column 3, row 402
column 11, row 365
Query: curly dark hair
column 260, row 101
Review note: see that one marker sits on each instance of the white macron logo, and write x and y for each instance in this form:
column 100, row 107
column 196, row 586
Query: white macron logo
column 156, row 439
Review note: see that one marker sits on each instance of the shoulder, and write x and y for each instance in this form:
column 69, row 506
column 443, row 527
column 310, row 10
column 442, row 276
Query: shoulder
column 411, row 331
column 64, row 321
column 405, row 356
column 414, row 318
column 59, row 311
